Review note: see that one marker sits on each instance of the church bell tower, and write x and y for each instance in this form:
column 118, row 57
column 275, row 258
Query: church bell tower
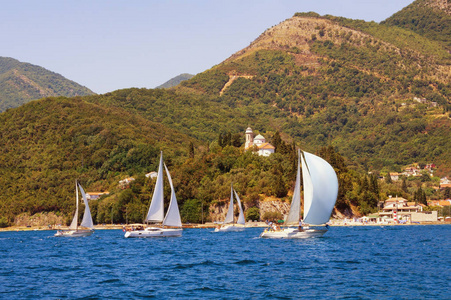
column 249, row 138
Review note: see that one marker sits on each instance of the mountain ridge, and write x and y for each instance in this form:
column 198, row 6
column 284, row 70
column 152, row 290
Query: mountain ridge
column 23, row 82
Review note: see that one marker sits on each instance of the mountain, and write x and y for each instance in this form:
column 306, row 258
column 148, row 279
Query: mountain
column 380, row 94
column 429, row 18
column 175, row 81
column 371, row 98
column 22, row 82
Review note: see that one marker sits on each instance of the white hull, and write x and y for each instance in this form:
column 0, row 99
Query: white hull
column 74, row 233
column 154, row 232
column 229, row 228
column 293, row 233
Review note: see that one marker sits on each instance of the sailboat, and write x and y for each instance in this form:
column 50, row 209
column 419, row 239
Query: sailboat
column 74, row 230
column 156, row 211
column 229, row 224
column 320, row 194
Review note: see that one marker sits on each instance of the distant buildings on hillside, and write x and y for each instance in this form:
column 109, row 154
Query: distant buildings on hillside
column 264, row 148
column 413, row 170
column 95, row 195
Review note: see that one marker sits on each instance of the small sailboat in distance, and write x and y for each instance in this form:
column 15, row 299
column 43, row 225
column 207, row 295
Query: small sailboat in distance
column 171, row 224
column 320, row 194
column 229, row 224
column 74, row 230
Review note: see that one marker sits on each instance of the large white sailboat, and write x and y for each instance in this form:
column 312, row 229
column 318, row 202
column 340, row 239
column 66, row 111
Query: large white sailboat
column 320, row 194
column 171, row 224
column 229, row 224
column 86, row 227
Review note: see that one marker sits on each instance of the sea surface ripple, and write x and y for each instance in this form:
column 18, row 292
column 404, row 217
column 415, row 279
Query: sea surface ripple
column 390, row 262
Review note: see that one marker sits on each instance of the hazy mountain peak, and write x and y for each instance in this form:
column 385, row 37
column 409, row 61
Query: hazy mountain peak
column 175, row 81
column 22, row 82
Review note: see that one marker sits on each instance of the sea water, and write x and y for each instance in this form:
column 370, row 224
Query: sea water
column 391, row 262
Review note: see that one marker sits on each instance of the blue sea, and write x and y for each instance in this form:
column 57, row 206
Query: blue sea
column 391, row 262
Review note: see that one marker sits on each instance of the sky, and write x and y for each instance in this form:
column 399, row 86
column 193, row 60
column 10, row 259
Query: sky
column 108, row 45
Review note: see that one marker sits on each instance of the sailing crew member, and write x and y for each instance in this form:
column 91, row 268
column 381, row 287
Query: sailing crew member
column 300, row 225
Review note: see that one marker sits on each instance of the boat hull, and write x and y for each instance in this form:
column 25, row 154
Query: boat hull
column 229, row 228
column 73, row 233
column 154, row 232
column 291, row 233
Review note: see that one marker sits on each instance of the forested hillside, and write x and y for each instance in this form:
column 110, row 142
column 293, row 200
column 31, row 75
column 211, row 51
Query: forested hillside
column 370, row 98
column 429, row 18
column 23, row 82
column 47, row 144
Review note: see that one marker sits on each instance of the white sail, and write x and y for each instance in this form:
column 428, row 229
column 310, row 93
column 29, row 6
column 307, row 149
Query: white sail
column 156, row 208
column 87, row 218
column 295, row 209
column 173, row 215
column 74, row 223
column 320, row 189
column 229, row 216
column 241, row 216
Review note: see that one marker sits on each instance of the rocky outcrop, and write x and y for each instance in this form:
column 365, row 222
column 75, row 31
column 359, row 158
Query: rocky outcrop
column 218, row 210
column 40, row 219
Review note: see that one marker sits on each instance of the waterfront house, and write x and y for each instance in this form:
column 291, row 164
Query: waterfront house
column 399, row 210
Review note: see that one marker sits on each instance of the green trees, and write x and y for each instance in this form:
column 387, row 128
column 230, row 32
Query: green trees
column 420, row 196
column 191, row 211
column 253, row 214
column 425, row 20
column 4, row 222
column 447, row 193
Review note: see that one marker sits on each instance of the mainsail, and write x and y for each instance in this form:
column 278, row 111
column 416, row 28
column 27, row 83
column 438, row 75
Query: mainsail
column 229, row 217
column 156, row 208
column 295, row 209
column 320, row 189
column 172, row 216
column 87, row 218
column 241, row 216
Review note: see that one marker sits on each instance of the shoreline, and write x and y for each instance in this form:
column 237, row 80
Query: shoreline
column 200, row 226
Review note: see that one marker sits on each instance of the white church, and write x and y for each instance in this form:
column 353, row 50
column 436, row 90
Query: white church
column 264, row 148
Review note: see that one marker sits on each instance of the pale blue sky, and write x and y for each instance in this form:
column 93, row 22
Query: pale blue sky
column 113, row 44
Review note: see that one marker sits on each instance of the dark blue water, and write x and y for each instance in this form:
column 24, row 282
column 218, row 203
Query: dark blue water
column 392, row 262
